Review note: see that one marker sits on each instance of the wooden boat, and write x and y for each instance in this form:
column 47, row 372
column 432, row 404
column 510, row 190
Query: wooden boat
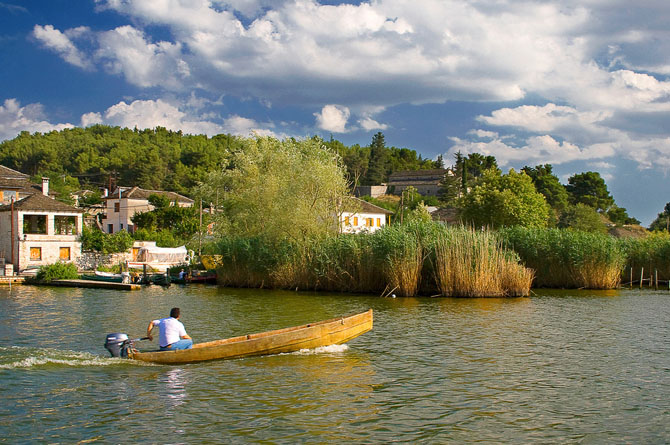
column 309, row 336
column 103, row 276
column 197, row 276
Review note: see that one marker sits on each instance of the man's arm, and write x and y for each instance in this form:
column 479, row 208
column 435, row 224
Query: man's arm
column 186, row 337
column 149, row 328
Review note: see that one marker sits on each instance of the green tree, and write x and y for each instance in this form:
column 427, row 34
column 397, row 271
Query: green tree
column 662, row 221
column 589, row 188
column 548, row 184
column 619, row 216
column 289, row 189
column 582, row 217
column 379, row 161
column 503, row 201
column 476, row 164
column 94, row 239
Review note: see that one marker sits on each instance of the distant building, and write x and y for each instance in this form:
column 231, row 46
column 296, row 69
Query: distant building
column 370, row 190
column 124, row 203
column 361, row 216
column 36, row 230
column 426, row 182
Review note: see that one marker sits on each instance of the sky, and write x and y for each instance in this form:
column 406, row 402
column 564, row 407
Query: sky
column 582, row 85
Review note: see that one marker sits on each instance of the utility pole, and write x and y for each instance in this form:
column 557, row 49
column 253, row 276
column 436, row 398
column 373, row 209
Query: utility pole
column 200, row 231
column 12, row 236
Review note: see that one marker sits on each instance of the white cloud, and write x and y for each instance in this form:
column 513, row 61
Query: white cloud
column 333, row 118
column 483, row 134
column 60, row 43
column 597, row 64
column 244, row 127
column 126, row 51
column 174, row 116
column 536, row 150
column 14, row 119
column 369, row 124
column 150, row 114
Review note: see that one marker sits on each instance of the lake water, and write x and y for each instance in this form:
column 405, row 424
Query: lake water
column 561, row 366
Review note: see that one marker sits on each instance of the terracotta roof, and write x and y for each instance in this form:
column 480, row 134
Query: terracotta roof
column 6, row 172
column 138, row 193
column 355, row 205
column 19, row 184
column 39, row 202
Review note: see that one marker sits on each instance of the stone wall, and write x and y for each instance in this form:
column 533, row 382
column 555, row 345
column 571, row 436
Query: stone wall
column 90, row 260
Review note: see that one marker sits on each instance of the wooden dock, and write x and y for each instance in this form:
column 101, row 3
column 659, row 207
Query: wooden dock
column 95, row 284
column 14, row 279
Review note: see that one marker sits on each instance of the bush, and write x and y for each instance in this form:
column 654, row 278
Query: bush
column 94, row 239
column 57, row 271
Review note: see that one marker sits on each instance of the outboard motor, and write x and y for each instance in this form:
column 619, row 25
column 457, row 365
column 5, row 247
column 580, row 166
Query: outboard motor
column 117, row 345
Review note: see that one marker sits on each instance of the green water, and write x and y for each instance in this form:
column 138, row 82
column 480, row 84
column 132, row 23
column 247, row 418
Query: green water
column 559, row 367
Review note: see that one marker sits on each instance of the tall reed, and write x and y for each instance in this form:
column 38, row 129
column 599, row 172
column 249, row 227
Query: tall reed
column 392, row 260
column 468, row 263
column 568, row 258
column 651, row 254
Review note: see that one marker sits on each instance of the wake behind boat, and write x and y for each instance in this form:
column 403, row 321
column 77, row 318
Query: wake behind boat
column 323, row 333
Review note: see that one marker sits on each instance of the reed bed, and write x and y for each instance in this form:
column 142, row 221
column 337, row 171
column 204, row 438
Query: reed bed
column 404, row 260
column 475, row 264
column 648, row 255
column 568, row 258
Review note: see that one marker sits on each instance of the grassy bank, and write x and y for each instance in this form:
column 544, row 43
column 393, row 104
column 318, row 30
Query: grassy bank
column 420, row 258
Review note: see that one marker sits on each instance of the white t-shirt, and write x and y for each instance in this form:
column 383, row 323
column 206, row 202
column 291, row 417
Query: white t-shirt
column 171, row 331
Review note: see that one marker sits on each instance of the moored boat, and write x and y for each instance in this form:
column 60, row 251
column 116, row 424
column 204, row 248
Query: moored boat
column 309, row 336
column 103, row 276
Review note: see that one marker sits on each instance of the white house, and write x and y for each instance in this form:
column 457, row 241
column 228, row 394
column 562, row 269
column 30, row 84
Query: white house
column 359, row 216
column 124, row 203
column 36, row 230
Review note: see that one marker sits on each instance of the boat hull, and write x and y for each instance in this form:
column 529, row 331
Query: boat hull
column 309, row 336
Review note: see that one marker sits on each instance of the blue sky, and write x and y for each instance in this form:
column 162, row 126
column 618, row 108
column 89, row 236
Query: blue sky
column 582, row 85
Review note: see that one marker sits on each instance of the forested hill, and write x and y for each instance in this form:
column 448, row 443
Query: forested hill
column 166, row 160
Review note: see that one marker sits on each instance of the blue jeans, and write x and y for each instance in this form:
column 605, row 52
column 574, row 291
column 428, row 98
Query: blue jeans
column 186, row 343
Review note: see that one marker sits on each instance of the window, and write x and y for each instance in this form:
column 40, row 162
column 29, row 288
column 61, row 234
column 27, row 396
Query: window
column 347, row 222
column 35, row 224
column 117, row 206
column 7, row 195
column 120, row 226
column 110, row 228
column 355, row 220
column 379, row 222
column 369, row 222
column 35, row 254
column 65, row 225
column 64, row 253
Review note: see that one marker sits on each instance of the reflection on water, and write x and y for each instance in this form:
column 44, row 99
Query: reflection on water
column 561, row 366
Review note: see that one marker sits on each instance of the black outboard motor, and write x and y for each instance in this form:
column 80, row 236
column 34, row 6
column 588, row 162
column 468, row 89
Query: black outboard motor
column 117, row 345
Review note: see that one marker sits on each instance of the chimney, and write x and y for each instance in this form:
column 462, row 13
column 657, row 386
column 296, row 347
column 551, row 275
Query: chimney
column 45, row 186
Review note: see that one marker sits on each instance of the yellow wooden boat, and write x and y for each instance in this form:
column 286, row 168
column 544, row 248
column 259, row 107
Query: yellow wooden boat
column 309, row 336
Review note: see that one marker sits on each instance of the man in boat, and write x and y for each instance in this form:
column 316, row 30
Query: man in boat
column 172, row 332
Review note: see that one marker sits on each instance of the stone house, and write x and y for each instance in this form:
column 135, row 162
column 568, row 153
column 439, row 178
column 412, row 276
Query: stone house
column 361, row 216
column 15, row 185
column 426, row 182
column 36, row 230
column 124, row 203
